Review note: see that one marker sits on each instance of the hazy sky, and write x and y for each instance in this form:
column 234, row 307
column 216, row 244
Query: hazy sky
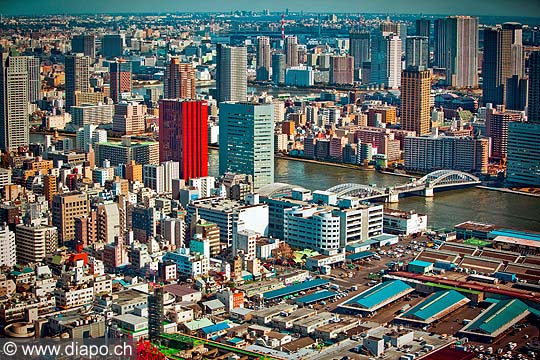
column 462, row 7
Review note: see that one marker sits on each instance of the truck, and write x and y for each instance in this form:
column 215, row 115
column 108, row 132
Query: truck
column 334, row 287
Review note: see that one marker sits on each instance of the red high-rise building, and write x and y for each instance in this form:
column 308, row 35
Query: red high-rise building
column 120, row 79
column 183, row 135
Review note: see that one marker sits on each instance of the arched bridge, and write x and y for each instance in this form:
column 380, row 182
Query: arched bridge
column 357, row 190
column 277, row 188
column 426, row 185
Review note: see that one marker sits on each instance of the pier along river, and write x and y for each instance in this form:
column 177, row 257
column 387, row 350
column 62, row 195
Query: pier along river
column 444, row 210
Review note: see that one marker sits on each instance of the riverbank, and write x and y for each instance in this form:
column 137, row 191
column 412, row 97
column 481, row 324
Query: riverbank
column 329, row 163
column 505, row 190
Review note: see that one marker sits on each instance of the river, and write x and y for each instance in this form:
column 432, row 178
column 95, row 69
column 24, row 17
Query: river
column 444, row 210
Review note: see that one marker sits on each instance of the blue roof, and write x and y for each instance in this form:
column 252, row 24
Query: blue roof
column 215, row 328
column 525, row 235
column 497, row 316
column 317, row 296
column 435, row 304
column 420, row 263
column 360, row 255
column 379, row 293
column 292, row 289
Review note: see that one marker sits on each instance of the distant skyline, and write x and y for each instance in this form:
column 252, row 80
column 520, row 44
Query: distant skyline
column 508, row 8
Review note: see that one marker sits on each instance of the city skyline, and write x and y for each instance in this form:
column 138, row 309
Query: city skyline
column 521, row 8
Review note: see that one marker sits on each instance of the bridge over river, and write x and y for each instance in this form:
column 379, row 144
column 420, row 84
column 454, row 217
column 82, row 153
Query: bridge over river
column 426, row 186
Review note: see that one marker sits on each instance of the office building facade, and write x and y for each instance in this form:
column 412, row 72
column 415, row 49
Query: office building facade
column 415, row 105
column 503, row 59
column 231, row 73
column 246, row 138
column 417, row 52
column 85, row 44
column 14, row 122
column 179, row 80
column 278, row 68
column 456, row 50
column 77, row 77
column 386, row 60
column 120, row 71
column 523, row 164
column 291, row 51
column 263, row 58
column 342, row 70
column 183, row 135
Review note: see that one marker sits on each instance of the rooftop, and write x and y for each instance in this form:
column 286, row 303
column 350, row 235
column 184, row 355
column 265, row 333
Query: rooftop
column 436, row 305
column 317, row 296
column 359, row 256
column 420, row 263
column 306, row 285
column 376, row 296
column 497, row 318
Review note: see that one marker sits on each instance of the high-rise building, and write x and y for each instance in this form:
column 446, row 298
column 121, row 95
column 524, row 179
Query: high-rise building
column 415, row 107
column 341, row 70
column 85, row 44
column 128, row 118
column 89, row 135
column 146, row 152
column 278, row 68
column 77, row 77
column 65, row 208
column 428, row 153
column 14, row 123
column 417, row 51
column 533, row 114
column 179, row 80
column 386, row 59
column 156, row 315
column 246, row 137
column 134, row 171
column 359, row 47
column 456, row 50
column 291, row 51
column 112, row 45
column 120, row 71
column 88, row 114
column 422, row 27
column 263, row 58
column 231, row 73
column 183, row 135
column 34, row 79
column 497, row 121
column 49, row 186
column 8, row 255
column 35, row 242
column 523, row 165
column 503, row 59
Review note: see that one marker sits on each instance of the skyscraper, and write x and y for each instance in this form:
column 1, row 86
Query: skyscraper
column 456, row 50
column 359, row 47
column 231, row 75
column 263, row 58
column 417, row 51
column 497, row 121
column 14, row 123
column 278, row 68
column 341, row 70
column 77, row 77
column 386, row 59
column 34, row 79
column 503, row 59
column 523, row 165
column 179, row 80
column 112, row 45
column 422, row 27
column 85, row 44
column 533, row 115
column 291, row 51
column 183, row 135
column 246, row 137
column 415, row 108
column 120, row 71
